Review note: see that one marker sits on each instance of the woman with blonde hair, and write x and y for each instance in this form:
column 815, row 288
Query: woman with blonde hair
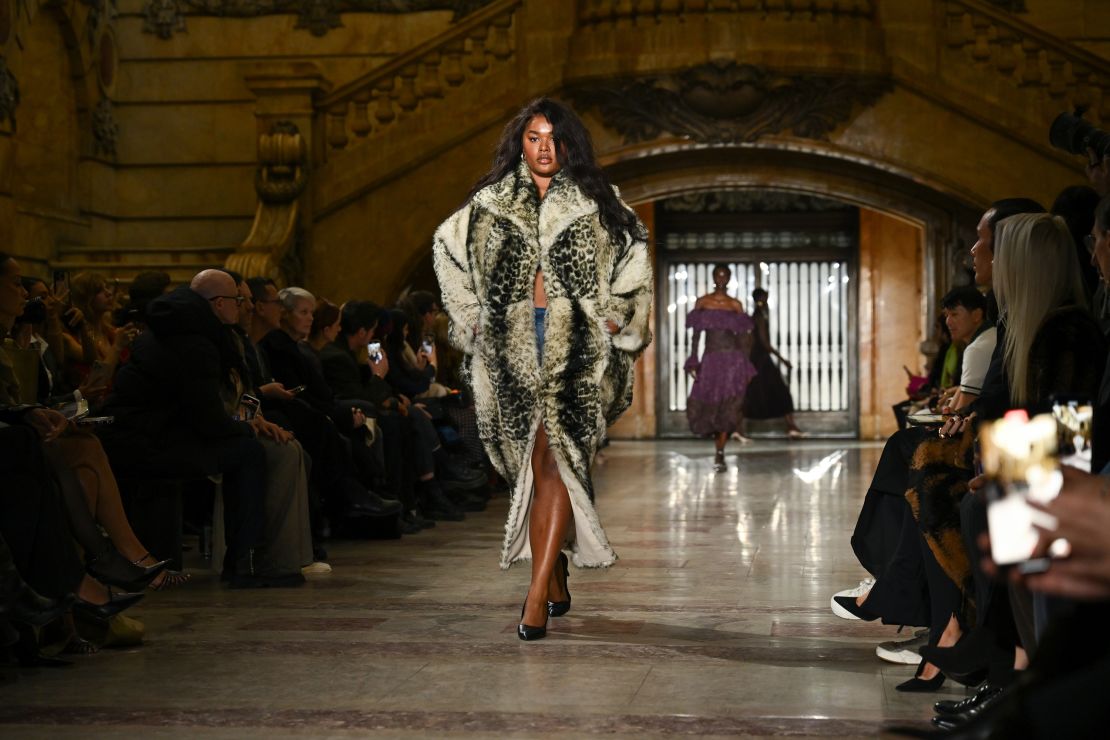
column 92, row 342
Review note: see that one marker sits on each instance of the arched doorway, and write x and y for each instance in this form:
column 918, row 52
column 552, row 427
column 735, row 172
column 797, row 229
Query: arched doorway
column 909, row 238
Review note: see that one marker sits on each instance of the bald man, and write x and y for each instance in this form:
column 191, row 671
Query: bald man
column 170, row 403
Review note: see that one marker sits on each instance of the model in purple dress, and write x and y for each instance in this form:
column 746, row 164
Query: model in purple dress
column 716, row 402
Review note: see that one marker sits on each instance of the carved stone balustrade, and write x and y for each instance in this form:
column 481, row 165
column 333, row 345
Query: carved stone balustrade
column 1051, row 74
column 385, row 95
column 593, row 12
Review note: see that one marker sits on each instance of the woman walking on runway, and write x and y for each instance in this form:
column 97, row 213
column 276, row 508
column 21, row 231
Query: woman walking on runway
column 768, row 396
column 546, row 277
column 716, row 403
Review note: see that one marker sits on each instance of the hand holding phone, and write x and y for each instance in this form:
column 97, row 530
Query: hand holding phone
column 1019, row 458
column 298, row 390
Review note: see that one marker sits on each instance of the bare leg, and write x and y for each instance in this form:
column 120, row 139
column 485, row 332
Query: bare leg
column 548, row 523
column 950, row 637
column 86, row 457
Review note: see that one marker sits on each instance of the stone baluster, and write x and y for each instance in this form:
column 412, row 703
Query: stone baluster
column 452, row 64
column 431, row 87
column 1031, row 70
column 1005, row 60
column 406, row 96
column 981, row 48
column 1103, row 106
column 383, row 91
column 477, row 61
column 956, row 35
column 499, row 45
column 360, row 118
column 337, row 126
column 1082, row 95
column 1057, row 76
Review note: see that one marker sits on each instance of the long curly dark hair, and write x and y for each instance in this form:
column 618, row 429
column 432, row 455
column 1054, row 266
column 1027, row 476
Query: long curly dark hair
column 575, row 152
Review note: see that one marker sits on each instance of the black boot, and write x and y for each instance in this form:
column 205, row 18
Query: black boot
column 435, row 504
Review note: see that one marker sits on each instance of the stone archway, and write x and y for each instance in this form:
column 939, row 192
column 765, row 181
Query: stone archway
column 911, row 233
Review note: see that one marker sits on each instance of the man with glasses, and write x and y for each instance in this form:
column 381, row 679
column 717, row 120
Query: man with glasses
column 170, row 403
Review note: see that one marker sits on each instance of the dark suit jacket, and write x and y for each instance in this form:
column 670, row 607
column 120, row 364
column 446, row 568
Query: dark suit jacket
column 349, row 379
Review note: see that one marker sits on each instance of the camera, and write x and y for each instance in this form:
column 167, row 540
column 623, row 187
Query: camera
column 1071, row 133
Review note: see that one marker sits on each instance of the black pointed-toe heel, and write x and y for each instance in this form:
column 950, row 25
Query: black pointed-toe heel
column 528, row 632
column 559, row 608
column 850, row 605
column 919, row 685
column 116, row 603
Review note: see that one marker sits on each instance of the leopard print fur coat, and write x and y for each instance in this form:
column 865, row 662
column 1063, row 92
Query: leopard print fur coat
column 486, row 256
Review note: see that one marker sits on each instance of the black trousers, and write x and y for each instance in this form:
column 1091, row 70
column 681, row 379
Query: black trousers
column 32, row 519
column 240, row 460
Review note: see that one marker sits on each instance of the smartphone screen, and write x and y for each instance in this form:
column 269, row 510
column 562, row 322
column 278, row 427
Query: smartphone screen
column 374, row 349
column 1019, row 457
column 1074, row 417
column 428, row 346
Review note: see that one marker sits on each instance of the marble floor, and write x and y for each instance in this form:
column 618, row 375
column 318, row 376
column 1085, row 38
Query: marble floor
column 715, row 622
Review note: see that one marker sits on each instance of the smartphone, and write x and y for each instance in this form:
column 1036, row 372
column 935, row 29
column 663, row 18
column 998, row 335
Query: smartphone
column 428, row 345
column 1074, row 417
column 95, row 421
column 248, row 407
column 1019, row 457
column 61, row 282
column 298, row 389
column 375, row 351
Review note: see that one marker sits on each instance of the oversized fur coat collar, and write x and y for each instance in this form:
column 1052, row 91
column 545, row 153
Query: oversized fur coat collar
column 486, row 257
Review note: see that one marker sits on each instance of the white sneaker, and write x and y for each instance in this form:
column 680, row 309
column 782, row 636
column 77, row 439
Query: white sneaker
column 316, row 569
column 863, row 587
column 904, row 652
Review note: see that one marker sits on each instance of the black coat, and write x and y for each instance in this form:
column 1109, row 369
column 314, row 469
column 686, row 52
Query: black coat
column 170, row 392
column 292, row 364
column 349, row 379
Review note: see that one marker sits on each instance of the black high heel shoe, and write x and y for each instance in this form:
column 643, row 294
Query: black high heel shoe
column 848, row 603
column 116, row 603
column 110, row 567
column 559, row 608
column 528, row 632
column 919, row 685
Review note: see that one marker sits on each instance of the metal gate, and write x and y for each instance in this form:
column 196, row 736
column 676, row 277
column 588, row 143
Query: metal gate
column 807, row 263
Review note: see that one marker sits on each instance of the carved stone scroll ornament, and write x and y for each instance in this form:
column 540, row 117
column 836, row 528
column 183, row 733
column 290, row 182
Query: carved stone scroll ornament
column 726, row 102
column 270, row 248
column 9, row 93
column 165, row 17
column 105, row 130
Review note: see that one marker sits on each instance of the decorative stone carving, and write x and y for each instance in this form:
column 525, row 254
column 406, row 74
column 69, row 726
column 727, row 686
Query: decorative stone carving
column 750, row 201
column 9, row 93
column 281, row 176
column 271, row 249
column 727, row 102
column 105, row 130
column 1015, row 6
column 165, row 17
column 100, row 12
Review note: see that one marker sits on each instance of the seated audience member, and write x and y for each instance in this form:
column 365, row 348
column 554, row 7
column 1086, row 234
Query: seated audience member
column 294, row 364
column 87, row 482
column 1076, row 205
column 1052, row 346
column 143, row 289
column 39, row 328
column 92, row 342
column 411, row 443
column 170, row 418
column 886, row 538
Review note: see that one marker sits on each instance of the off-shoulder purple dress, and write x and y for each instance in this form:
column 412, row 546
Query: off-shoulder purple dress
column 716, row 399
